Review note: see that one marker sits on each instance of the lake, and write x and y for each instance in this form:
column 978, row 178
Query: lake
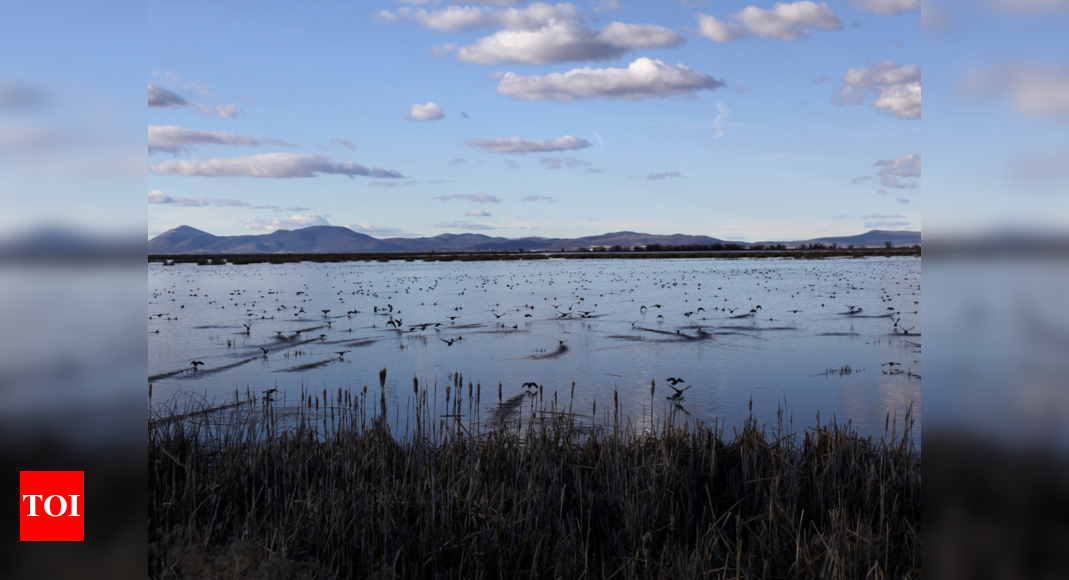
column 839, row 337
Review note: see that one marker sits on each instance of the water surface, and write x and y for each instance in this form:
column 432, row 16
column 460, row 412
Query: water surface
column 777, row 332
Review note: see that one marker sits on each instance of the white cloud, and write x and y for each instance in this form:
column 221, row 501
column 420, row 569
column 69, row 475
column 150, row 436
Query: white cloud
column 517, row 146
column 463, row 226
column 291, row 223
column 1037, row 90
column 566, row 40
column 718, row 30
column 172, row 139
column 474, row 197
column 897, row 88
column 477, row 213
column 159, row 97
column 428, row 112
column 384, row 16
column 458, row 161
column 879, row 216
column 366, row 228
column 666, row 174
column 787, row 22
column 157, row 197
column 455, row 18
column 538, row 198
column 902, row 201
column 889, row 7
column 905, row 166
column 642, row 79
column 269, row 165
column 223, row 111
column 784, row 22
column 724, row 111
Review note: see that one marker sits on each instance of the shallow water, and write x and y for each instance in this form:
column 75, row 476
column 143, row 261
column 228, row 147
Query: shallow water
column 510, row 319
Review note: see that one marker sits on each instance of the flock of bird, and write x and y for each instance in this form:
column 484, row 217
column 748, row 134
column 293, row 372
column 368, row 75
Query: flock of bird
column 268, row 305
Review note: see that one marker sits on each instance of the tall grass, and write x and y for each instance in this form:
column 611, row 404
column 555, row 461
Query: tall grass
column 329, row 489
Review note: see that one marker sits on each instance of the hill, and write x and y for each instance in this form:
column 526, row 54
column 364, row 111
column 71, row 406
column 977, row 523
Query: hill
column 341, row 240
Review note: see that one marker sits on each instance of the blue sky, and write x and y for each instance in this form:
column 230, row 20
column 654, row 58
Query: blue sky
column 730, row 119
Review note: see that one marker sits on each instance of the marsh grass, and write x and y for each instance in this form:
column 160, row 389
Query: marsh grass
column 330, row 488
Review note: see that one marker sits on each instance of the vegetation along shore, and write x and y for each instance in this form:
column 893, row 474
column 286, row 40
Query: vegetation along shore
column 330, row 487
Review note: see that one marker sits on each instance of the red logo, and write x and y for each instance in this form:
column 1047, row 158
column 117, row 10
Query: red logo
column 53, row 506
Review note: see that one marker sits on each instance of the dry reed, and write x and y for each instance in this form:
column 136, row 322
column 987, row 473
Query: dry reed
column 332, row 489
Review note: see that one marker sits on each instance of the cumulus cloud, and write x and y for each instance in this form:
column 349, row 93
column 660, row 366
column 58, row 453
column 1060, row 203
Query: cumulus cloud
column 456, row 18
column 897, row 88
column 476, row 213
column 642, row 79
column 473, row 197
column 785, row 22
column 269, row 165
column 537, row 198
column 344, row 143
column 288, row 223
column 463, row 226
column 889, row 7
column 667, row 174
column 565, row 41
column 157, row 197
column 902, row 201
column 905, row 166
column 1037, row 90
column 172, row 139
column 718, row 30
column 862, row 179
column 517, row 146
column 789, row 21
column 159, row 97
column 553, row 163
column 428, row 112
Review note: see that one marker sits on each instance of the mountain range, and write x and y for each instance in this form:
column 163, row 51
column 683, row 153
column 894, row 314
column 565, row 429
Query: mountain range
column 336, row 239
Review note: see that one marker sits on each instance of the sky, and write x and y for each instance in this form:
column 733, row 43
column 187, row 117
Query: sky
column 740, row 120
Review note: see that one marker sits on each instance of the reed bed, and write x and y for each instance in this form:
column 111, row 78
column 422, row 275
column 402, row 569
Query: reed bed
column 330, row 488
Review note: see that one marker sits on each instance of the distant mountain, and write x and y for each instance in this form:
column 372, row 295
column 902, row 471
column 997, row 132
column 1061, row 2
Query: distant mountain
column 334, row 239
column 868, row 239
column 311, row 240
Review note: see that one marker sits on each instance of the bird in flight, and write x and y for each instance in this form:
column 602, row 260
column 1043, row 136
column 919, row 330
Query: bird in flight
column 340, row 353
column 678, row 393
column 676, row 381
column 448, row 342
column 264, row 349
column 891, row 364
column 532, row 385
column 196, row 364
